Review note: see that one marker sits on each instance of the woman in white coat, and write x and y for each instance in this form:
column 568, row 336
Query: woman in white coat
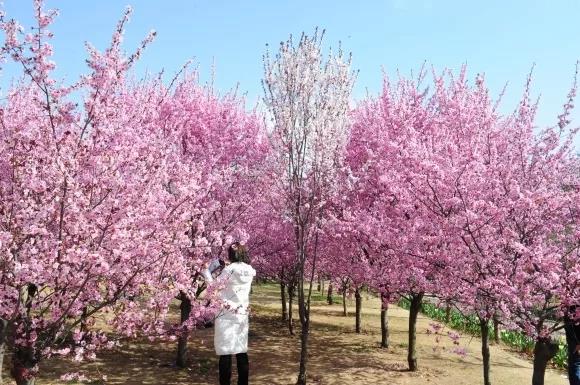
column 232, row 322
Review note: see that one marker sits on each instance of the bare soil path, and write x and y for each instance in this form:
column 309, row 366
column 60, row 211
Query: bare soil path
column 337, row 354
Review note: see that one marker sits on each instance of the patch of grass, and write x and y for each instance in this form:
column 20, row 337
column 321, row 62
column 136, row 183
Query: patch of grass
column 561, row 358
column 205, row 365
column 321, row 297
column 517, row 340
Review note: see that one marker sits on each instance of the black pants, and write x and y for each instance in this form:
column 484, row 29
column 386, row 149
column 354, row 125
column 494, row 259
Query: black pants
column 573, row 355
column 226, row 369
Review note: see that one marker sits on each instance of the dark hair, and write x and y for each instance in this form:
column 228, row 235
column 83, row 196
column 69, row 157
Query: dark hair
column 238, row 253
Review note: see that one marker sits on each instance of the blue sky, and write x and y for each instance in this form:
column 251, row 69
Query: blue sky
column 502, row 39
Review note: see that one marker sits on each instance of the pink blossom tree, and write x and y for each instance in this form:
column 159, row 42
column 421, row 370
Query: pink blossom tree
column 452, row 162
column 223, row 146
column 80, row 199
column 271, row 247
column 157, row 177
column 539, row 234
column 399, row 238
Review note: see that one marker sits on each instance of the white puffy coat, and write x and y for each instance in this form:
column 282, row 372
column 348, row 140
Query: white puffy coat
column 232, row 323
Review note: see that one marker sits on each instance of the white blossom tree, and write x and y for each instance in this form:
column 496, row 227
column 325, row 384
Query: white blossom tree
column 307, row 95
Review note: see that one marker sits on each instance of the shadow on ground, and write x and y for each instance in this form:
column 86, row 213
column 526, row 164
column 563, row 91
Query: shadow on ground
column 337, row 355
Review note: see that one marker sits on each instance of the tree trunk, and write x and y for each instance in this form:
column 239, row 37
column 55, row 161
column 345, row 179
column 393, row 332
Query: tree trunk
column 448, row 313
column 322, row 283
column 3, row 335
column 544, row 351
column 24, row 367
column 384, row 324
column 283, row 299
column 358, row 307
column 495, row 329
column 304, row 314
column 329, row 298
column 185, row 308
column 484, row 327
column 290, row 315
column 319, row 286
column 416, row 300
column 344, row 312
column 303, row 354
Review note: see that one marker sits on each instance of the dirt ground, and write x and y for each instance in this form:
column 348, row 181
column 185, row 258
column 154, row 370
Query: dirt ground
column 337, row 354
